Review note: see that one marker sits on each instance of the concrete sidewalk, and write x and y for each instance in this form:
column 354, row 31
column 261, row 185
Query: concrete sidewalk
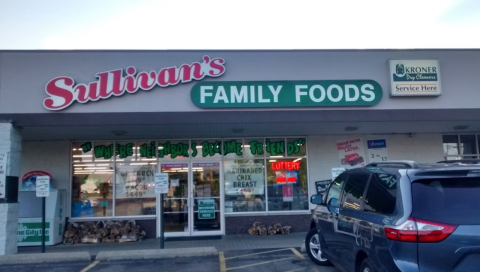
column 227, row 242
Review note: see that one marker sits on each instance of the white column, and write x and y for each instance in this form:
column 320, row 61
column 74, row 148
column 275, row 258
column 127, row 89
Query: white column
column 11, row 144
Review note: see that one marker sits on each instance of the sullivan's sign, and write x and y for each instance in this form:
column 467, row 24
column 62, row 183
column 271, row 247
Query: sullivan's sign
column 63, row 91
column 311, row 93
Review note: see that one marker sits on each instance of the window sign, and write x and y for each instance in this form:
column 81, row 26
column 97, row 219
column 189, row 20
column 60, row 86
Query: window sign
column 296, row 147
column 206, row 209
column 207, row 148
column 105, row 151
column 377, row 150
column 173, row 149
column 254, row 148
column 134, row 181
column 244, row 178
column 351, row 153
column 275, row 147
column 146, row 150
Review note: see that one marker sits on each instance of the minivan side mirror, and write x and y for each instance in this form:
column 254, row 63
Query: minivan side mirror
column 316, row 199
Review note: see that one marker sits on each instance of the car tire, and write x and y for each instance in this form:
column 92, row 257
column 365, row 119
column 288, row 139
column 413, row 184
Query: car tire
column 312, row 246
column 366, row 266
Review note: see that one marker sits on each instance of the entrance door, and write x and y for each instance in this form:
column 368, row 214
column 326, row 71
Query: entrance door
column 193, row 204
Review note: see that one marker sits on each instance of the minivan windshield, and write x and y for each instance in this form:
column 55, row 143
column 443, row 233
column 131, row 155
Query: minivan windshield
column 447, row 200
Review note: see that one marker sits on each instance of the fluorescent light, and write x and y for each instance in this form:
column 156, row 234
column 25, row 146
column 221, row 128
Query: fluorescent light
column 95, row 168
column 276, row 156
column 297, row 159
column 139, row 163
column 84, row 165
column 272, row 160
column 78, row 156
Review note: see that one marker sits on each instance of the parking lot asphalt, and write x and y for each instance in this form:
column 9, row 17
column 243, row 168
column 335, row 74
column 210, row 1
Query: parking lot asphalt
column 270, row 260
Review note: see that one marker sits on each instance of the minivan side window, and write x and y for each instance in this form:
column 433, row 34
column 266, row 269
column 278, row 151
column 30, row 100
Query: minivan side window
column 333, row 197
column 381, row 194
column 354, row 189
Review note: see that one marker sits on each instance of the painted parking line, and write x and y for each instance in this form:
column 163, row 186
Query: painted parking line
column 90, row 266
column 249, row 265
column 258, row 253
column 299, row 255
column 223, row 266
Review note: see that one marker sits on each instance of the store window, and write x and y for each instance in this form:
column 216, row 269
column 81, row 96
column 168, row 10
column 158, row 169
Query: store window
column 275, row 147
column 174, row 150
column 134, row 188
column 233, row 148
column 254, row 148
column 463, row 146
column 209, row 148
column 92, row 190
column 125, row 151
column 244, row 186
column 82, row 152
column 287, row 184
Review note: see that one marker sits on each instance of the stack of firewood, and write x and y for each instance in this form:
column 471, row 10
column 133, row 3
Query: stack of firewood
column 103, row 232
column 259, row 229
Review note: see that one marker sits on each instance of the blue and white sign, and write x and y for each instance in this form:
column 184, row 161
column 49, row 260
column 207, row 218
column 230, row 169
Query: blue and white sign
column 415, row 78
column 377, row 150
column 377, row 144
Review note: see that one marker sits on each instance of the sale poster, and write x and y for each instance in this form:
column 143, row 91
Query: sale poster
column 351, row 153
column 287, row 193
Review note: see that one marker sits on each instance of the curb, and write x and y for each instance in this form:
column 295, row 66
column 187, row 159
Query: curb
column 155, row 253
column 45, row 258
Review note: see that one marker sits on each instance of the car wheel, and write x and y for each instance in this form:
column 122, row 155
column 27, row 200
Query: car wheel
column 312, row 245
column 366, row 266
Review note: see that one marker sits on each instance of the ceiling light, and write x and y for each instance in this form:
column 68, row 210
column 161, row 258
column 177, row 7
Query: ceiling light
column 351, row 128
column 460, row 127
column 119, row 132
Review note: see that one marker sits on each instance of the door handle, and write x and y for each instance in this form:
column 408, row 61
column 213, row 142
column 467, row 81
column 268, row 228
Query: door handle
column 331, row 215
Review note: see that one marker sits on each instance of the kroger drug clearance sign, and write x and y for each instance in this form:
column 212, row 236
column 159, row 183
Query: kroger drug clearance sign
column 415, row 78
column 306, row 93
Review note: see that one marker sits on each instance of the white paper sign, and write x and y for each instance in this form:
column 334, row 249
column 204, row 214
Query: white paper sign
column 244, row 178
column 3, row 170
column 174, row 182
column 43, row 186
column 161, row 183
column 377, row 150
column 336, row 172
column 351, row 153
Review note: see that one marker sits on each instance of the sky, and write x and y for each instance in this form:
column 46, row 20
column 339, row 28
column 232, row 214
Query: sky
column 232, row 24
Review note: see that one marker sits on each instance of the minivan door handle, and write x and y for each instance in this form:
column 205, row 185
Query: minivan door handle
column 332, row 215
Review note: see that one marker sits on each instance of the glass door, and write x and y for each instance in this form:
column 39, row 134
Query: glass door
column 206, row 195
column 176, row 210
column 193, row 204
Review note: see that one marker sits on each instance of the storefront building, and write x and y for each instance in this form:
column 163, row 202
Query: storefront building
column 243, row 135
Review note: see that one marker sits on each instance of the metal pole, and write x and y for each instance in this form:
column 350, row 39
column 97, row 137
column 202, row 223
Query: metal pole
column 43, row 224
column 162, row 224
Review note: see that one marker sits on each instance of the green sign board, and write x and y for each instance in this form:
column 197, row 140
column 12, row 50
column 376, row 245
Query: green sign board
column 32, row 232
column 206, row 209
column 269, row 94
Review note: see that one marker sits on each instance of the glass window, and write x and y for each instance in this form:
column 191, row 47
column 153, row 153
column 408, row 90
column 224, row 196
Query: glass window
column 210, row 148
column 233, row 148
column 468, row 145
column 449, row 200
column 125, row 151
column 381, row 194
column 354, row 189
column 104, row 151
column 254, row 148
column 134, row 188
column 287, row 184
column 275, row 147
column 244, row 185
column 450, row 145
column 174, row 149
column 333, row 196
column 92, row 190
column 146, row 151
column 296, row 147
column 82, row 152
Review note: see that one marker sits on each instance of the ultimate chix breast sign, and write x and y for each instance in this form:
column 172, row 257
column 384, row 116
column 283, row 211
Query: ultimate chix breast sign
column 63, row 91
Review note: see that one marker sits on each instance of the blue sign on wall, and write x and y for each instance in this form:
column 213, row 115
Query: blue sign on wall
column 377, row 144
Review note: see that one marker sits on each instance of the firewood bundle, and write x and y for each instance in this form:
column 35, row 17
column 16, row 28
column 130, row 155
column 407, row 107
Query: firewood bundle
column 103, row 232
column 259, row 229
